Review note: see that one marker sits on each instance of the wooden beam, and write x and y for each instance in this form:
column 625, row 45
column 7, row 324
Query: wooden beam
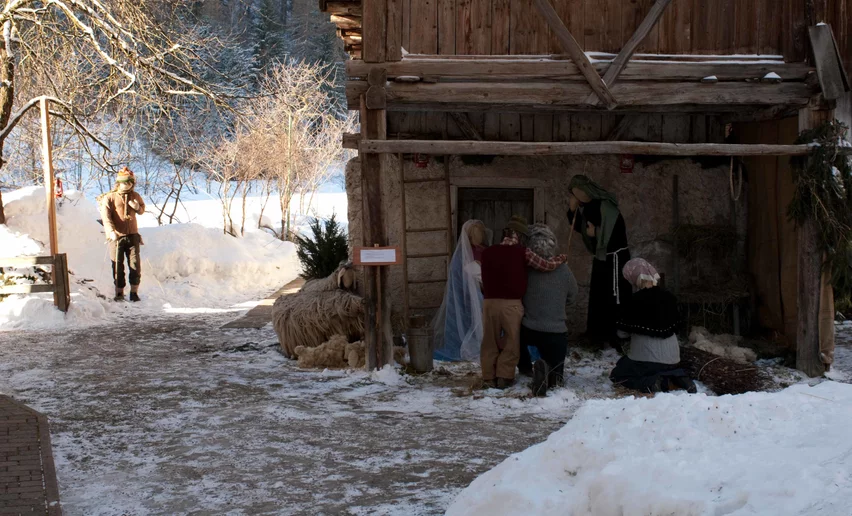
column 26, row 261
column 26, row 289
column 494, row 148
column 615, row 68
column 350, row 140
column 393, row 44
column 494, row 68
column 467, row 128
column 829, row 65
column 375, row 30
column 572, row 95
column 570, row 45
column 345, row 21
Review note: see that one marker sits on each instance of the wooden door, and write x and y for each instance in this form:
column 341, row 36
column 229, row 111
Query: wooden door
column 494, row 207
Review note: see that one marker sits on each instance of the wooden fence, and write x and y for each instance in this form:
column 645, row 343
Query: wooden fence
column 59, row 284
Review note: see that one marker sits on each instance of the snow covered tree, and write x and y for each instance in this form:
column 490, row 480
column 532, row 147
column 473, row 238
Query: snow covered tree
column 85, row 56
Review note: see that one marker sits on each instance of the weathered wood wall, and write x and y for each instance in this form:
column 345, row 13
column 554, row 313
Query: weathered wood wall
column 560, row 127
column 514, row 27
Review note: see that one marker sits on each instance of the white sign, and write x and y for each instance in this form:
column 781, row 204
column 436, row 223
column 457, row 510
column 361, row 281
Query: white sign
column 378, row 256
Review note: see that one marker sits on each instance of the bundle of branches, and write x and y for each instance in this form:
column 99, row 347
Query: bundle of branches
column 719, row 242
column 823, row 194
column 723, row 375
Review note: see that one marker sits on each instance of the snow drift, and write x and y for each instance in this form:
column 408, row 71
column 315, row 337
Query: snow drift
column 759, row 453
column 184, row 266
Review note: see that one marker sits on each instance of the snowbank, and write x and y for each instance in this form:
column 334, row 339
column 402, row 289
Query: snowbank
column 184, row 266
column 758, row 453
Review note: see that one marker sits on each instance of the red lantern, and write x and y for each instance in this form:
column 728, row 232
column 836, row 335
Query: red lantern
column 421, row 160
column 626, row 163
column 58, row 189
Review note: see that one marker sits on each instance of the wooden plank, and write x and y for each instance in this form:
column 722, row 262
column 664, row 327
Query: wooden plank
column 480, row 39
column 374, row 30
column 527, row 128
column 620, row 61
column 594, row 23
column 500, row 26
column 585, row 127
column 655, row 128
column 698, row 134
column 26, row 261
column 447, row 27
column 464, row 27
column 491, row 126
column 424, row 27
column 794, row 45
column 676, row 128
column 638, row 69
column 832, row 78
column 726, row 12
column 651, row 44
column 62, row 290
column 521, row 36
column 510, row 127
column 675, row 28
column 562, row 127
column 25, row 289
column 543, row 128
column 613, row 39
column 770, row 34
column 406, row 24
column 722, row 96
column 703, row 26
column 573, row 49
column 746, row 29
column 491, row 148
column 393, row 47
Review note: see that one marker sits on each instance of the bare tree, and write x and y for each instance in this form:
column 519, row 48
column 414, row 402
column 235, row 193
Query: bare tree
column 116, row 49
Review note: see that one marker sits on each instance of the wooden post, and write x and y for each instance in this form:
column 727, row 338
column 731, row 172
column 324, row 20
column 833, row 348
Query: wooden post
column 377, row 324
column 810, row 276
column 61, row 287
column 49, row 179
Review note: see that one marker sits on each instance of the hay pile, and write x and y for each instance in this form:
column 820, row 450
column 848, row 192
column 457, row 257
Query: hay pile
column 720, row 363
column 723, row 375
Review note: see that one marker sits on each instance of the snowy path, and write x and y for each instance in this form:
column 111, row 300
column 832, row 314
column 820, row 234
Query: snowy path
column 184, row 417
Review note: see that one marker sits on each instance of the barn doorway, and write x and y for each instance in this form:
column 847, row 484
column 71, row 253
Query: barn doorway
column 494, row 207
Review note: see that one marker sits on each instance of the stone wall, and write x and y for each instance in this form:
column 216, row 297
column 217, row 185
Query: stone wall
column 645, row 199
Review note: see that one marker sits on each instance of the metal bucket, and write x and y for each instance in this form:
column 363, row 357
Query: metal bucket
column 419, row 337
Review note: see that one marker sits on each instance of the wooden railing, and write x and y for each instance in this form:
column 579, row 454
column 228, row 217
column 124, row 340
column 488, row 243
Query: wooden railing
column 59, row 283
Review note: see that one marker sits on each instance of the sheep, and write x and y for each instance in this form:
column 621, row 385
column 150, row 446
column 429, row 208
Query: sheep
column 323, row 308
column 721, row 345
column 339, row 353
column 344, row 278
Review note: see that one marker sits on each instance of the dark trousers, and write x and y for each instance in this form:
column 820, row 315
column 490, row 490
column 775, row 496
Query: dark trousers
column 551, row 346
column 641, row 376
column 126, row 247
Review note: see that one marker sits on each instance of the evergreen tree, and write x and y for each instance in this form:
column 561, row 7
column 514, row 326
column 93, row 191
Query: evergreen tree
column 322, row 255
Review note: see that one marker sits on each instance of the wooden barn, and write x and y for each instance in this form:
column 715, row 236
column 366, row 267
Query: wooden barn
column 687, row 110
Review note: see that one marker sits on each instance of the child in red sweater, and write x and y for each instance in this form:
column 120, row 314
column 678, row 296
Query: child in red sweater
column 504, row 283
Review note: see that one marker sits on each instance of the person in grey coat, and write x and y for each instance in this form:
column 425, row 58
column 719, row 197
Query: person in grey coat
column 544, row 324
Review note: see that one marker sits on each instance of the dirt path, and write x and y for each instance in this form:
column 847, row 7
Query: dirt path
column 180, row 417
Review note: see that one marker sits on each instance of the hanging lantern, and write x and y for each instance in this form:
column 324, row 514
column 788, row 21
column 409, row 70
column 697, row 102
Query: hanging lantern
column 421, row 160
column 58, row 189
column 626, row 163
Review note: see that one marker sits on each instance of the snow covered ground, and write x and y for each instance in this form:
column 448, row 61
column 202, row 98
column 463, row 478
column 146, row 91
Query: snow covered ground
column 188, row 267
column 781, row 453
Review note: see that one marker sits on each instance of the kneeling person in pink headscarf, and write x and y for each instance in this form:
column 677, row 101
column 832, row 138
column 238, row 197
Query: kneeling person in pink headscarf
column 651, row 362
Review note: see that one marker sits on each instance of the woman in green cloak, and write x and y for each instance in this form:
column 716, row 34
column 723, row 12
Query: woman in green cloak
column 595, row 215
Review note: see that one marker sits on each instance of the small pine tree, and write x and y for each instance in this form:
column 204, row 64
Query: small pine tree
column 322, row 255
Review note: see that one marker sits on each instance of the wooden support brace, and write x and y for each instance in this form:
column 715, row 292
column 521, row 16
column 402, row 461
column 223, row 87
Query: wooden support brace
column 466, row 126
column 570, row 45
column 829, row 65
column 632, row 44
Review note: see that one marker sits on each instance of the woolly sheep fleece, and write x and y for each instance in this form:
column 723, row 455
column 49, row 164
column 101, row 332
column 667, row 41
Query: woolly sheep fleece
column 721, row 345
column 339, row 353
column 317, row 313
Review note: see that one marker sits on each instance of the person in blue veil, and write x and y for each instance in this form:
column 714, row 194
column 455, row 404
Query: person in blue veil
column 458, row 324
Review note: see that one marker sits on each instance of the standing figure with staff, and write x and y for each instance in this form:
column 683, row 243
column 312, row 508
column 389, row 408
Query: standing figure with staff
column 594, row 214
column 118, row 212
